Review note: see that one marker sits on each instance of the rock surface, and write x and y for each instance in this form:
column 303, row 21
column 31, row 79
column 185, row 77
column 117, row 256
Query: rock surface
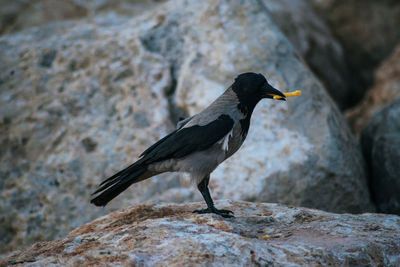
column 380, row 142
column 18, row 15
column 74, row 109
column 368, row 31
column 81, row 99
column 300, row 152
column 171, row 235
column 306, row 31
column 386, row 88
column 315, row 43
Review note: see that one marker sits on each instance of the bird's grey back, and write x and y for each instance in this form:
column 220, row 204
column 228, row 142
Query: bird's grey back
column 227, row 104
column 201, row 163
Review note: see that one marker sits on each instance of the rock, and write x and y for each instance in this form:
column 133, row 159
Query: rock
column 315, row 43
column 380, row 142
column 368, row 31
column 171, row 235
column 300, row 152
column 74, row 109
column 18, row 15
column 386, row 88
column 82, row 99
column 307, row 32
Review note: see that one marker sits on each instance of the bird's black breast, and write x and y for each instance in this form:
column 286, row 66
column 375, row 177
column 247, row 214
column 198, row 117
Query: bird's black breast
column 245, row 122
column 245, row 125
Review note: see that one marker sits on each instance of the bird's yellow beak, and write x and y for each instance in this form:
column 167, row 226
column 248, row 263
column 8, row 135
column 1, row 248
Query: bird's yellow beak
column 288, row 94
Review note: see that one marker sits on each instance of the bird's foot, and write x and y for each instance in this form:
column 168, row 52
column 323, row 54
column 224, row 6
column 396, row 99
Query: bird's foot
column 223, row 213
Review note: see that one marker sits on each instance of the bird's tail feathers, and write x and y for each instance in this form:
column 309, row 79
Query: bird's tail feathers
column 116, row 184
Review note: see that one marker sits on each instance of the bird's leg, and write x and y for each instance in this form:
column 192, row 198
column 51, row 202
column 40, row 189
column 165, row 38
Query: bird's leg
column 203, row 188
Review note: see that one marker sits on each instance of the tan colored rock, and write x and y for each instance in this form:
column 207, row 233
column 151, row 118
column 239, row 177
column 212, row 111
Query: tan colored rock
column 171, row 235
column 386, row 88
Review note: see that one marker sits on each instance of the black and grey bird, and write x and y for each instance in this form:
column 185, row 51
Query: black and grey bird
column 199, row 144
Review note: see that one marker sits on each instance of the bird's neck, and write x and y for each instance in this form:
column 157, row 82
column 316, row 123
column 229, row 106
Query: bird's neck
column 246, row 106
column 243, row 106
column 245, row 122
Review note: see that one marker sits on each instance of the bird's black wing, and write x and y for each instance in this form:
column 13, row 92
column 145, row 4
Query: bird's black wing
column 188, row 140
column 153, row 146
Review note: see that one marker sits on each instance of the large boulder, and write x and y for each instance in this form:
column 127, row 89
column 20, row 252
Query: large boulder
column 300, row 152
column 368, row 31
column 315, row 43
column 171, row 235
column 78, row 102
column 81, row 99
column 17, row 15
column 305, row 30
column 386, row 88
column 380, row 142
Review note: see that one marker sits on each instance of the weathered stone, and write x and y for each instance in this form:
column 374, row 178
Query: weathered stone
column 306, row 31
column 107, row 90
column 18, row 15
column 75, row 107
column 380, row 142
column 315, row 43
column 368, row 31
column 300, row 151
column 386, row 88
column 171, row 235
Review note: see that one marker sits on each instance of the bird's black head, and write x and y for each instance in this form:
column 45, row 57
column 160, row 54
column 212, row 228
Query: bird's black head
column 252, row 87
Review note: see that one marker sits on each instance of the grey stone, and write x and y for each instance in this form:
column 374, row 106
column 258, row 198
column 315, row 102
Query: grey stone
column 17, row 15
column 307, row 32
column 67, row 126
column 171, row 235
column 380, row 142
column 115, row 84
column 298, row 152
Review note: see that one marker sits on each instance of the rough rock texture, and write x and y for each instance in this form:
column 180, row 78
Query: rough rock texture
column 386, row 88
column 171, row 235
column 74, row 109
column 17, row 15
column 380, row 142
column 314, row 41
column 306, row 31
column 300, row 152
column 81, row 99
column 368, row 31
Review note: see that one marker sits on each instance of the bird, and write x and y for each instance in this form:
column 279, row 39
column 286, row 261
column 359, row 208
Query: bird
column 199, row 143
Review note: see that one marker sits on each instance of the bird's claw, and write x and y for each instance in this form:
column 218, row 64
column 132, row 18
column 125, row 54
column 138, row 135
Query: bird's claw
column 223, row 213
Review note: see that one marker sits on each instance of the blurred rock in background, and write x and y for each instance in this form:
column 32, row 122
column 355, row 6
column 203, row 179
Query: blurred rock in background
column 380, row 142
column 315, row 43
column 368, row 31
column 385, row 90
column 81, row 99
